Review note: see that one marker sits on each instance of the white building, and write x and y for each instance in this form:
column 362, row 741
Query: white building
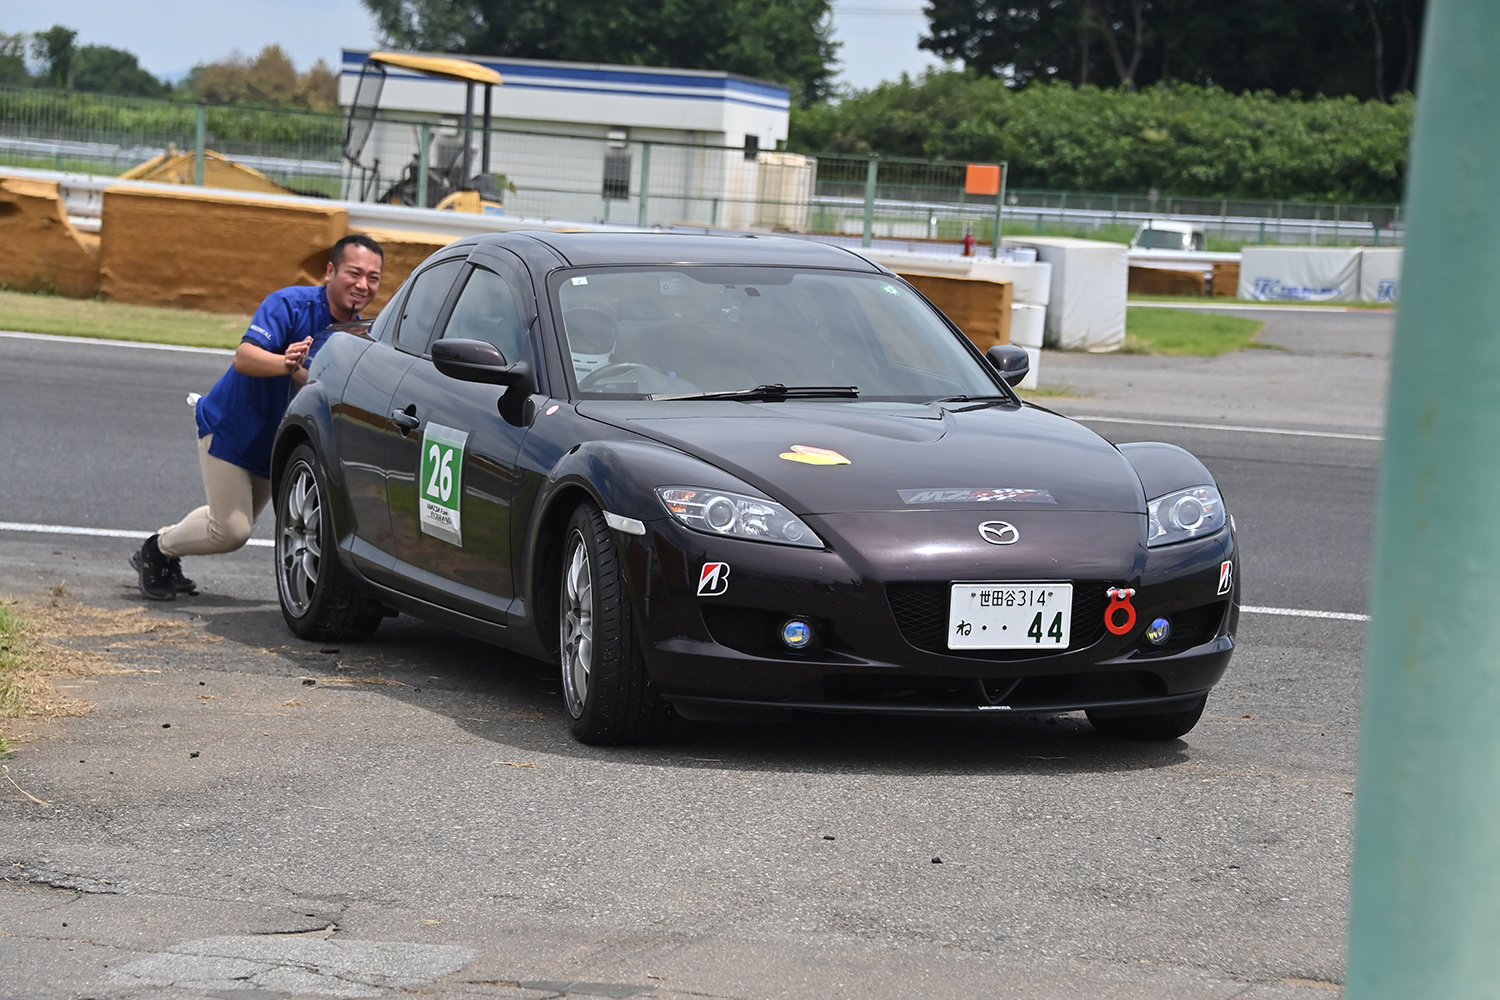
column 579, row 141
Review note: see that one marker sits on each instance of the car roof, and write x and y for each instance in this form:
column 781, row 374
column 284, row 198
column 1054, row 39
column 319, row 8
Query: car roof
column 590, row 249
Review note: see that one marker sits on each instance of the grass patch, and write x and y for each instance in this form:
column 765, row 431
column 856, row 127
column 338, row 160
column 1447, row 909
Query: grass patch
column 1180, row 332
column 41, row 649
column 30, row 312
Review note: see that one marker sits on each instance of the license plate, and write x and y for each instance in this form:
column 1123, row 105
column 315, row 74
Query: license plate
column 1010, row 616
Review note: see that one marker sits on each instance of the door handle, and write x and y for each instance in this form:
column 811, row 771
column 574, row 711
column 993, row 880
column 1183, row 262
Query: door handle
column 408, row 422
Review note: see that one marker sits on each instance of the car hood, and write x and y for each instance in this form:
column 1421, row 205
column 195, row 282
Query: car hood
column 826, row 457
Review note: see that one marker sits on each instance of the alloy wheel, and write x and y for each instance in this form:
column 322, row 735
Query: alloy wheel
column 299, row 554
column 576, row 623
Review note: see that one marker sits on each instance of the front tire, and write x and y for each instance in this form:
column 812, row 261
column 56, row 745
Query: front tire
column 606, row 688
column 319, row 599
column 1161, row 726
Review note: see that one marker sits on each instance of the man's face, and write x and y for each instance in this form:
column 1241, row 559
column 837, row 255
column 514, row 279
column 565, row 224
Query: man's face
column 353, row 284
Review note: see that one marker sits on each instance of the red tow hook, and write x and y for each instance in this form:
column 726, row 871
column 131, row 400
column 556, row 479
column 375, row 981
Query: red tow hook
column 1119, row 600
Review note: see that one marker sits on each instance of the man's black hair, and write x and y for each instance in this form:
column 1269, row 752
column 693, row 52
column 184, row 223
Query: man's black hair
column 336, row 255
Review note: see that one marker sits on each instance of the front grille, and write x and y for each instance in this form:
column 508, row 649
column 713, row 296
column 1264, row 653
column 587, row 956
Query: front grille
column 921, row 612
column 1191, row 627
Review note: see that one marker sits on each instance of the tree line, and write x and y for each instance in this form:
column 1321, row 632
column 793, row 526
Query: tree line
column 1362, row 48
column 1178, row 138
column 267, row 80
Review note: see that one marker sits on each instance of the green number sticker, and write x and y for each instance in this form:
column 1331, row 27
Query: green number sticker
column 440, row 486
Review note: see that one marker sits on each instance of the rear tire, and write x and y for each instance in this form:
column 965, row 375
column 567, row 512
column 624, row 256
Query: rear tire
column 606, row 687
column 1163, row 726
column 320, row 600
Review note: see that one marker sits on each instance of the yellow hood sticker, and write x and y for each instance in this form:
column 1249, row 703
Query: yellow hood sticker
column 809, row 455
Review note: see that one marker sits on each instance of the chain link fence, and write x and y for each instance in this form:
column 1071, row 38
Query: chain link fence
column 611, row 177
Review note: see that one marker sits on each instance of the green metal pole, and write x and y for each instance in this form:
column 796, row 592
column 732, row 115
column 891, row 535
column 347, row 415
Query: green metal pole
column 425, row 138
column 1425, row 901
column 999, row 207
column 645, row 197
column 871, row 173
column 199, row 142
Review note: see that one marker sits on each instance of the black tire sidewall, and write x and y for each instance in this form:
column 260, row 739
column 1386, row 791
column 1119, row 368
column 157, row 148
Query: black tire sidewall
column 311, row 625
column 612, row 646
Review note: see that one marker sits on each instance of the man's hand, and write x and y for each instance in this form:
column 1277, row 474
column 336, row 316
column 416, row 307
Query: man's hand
column 261, row 363
column 296, row 354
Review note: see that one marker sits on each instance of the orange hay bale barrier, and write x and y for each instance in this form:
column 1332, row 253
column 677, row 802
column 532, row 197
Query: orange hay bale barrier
column 40, row 250
column 1166, row 281
column 980, row 308
column 1226, row 279
column 202, row 250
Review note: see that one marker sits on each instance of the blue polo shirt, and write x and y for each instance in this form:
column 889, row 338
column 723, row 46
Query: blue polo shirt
column 241, row 411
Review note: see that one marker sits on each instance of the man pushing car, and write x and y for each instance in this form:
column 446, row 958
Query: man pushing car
column 238, row 418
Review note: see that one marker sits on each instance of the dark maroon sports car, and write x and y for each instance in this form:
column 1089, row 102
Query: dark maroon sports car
column 720, row 477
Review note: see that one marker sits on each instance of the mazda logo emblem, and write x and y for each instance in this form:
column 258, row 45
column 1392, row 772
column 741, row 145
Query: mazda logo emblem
column 999, row 533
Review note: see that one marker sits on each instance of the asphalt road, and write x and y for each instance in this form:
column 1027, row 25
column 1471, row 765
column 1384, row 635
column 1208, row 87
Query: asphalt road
column 417, row 819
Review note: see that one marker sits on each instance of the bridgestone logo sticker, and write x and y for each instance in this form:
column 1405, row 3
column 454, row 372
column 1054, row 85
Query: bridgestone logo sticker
column 440, row 483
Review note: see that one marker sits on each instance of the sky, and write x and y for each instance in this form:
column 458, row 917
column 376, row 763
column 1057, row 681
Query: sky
column 879, row 36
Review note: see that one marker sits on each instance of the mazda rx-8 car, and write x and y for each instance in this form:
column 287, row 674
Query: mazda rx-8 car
column 722, row 477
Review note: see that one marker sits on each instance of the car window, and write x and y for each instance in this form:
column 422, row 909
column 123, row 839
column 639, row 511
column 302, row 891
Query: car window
column 385, row 323
column 687, row 329
column 488, row 309
column 419, row 314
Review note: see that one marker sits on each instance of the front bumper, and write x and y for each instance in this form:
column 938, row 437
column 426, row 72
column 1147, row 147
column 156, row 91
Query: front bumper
column 879, row 625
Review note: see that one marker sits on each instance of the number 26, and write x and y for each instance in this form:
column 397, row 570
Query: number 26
column 441, row 485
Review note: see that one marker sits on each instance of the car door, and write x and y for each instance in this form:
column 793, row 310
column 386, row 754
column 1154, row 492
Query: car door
column 364, row 420
column 361, row 422
column 454, row 478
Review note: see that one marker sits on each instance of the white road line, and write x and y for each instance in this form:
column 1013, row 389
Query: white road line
column 72, row 529
column 1237, row 428
column 1343, row 616
column 98, row 341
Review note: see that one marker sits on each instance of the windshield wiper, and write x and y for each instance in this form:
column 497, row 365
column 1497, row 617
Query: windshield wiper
column 773, row 391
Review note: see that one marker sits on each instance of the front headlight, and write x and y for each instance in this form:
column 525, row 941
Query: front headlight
column 1185, row 514
column 717, row 512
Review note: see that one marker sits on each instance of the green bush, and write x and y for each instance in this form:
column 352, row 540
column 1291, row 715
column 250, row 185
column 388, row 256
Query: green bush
column 1178, row 138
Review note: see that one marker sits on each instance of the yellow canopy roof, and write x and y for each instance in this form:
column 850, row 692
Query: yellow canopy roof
column 443, row 66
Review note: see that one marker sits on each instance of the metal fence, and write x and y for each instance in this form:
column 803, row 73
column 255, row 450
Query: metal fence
column 609, row 178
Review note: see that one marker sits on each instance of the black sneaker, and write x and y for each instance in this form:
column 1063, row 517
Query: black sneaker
column 155, row 572
column 174, row 566
column 182, row 583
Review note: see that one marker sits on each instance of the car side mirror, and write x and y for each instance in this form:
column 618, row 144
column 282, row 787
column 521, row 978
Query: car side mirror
column 1010, row 361
column 477, row 361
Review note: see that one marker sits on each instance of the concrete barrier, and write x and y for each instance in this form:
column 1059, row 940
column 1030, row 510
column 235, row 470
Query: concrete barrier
column 40, row 250
column 1028, row 324
column 1380, row 274
column 1086, row 306
column 195, row 249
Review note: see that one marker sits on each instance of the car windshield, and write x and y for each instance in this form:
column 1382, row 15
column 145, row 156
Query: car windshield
column 1163, row 239
column 760, row 333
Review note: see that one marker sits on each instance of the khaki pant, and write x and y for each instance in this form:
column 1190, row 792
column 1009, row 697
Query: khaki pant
column 235, row 500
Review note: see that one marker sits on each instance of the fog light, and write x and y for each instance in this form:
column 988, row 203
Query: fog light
column 1159, row 632
column 796, row 634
